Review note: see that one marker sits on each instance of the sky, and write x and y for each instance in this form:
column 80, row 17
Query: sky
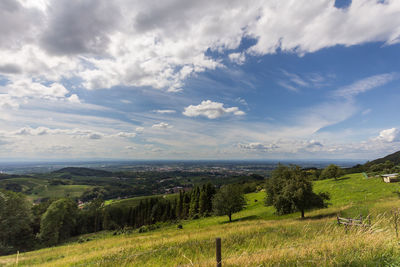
column 179, row 79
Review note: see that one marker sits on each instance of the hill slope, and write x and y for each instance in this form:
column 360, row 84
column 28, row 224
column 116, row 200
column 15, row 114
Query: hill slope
column 256, row 237
column 394, row 157
column 79, row 171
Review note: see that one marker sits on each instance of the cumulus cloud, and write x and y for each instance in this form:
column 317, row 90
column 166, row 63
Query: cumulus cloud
column 10, row 68
column 238, row 58
column 126, row 134
column 211, row 110
column 258, row 147
column 33, row 131
column 322, row 25
column 79, row 27
column 314, row 143
column 95, row 136
column 139, row 129
column 161, row 125
column 18, row 24
column 7, row 101
column 74, row 99
column 29, row 88
column 389, row 135
column 29, row 131
column 104, row 44
column 284, row 146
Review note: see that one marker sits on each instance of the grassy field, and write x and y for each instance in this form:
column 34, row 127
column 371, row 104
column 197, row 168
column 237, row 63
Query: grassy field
column 134, row 201
column 56, row 191
column 36, row 188
column 257, row 237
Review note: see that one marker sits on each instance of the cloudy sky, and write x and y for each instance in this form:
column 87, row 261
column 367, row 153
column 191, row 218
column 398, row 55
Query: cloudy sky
column 179, row 79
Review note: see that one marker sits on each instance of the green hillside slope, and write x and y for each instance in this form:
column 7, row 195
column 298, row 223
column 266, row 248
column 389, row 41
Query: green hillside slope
column 257, row 237
column 79, row 171
column 394, row 157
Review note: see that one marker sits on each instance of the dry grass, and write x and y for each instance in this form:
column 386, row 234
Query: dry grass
column 256, row 239
column 291, row 242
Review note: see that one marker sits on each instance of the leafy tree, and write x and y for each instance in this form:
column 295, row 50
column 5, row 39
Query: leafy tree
column 38, row 210
column 228, row 200
column 388, row 166
column 289, row 190
column 194, row 202
column 203, row 201
column 59, row 221
column 15, row 222
column 331, row 171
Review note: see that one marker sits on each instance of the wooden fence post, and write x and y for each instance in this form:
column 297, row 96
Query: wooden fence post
column 218, row 251
column 395, row 223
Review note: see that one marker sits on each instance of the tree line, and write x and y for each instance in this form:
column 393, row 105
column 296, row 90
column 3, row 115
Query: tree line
column 26, row 227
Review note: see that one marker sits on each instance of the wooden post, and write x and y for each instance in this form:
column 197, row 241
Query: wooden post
column 218, row 251
column 395, row 223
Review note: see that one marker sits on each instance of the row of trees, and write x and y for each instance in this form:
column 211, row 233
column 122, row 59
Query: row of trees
column 25, row 226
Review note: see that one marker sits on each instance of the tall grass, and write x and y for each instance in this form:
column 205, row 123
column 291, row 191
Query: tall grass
column 255, row 238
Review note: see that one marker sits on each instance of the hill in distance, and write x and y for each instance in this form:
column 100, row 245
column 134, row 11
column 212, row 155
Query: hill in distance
column 394, row 157
column 79, row 171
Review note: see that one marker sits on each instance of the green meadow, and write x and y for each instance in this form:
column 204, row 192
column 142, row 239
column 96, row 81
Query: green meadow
column 36, row 188
column 134, row 201
column 256, row 237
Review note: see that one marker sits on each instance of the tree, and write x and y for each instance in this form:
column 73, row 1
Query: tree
column 15, row 222
column 289, row 190
column 331, row 171
column 228, row 200
column 59, row 221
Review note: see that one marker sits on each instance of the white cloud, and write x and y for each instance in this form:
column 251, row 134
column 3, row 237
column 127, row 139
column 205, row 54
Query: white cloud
column 139, row 129
column 320, row 25
column 389, row 135
column 288, row 86
column 28, row 88
column 366, row 84
column 7, row 101
column 366, row 112
column 29, row 131
column 95, row 136
column 74, row 99
column 165, row 111
column 211, row 110
column 126, row 134
column 258, row 146
column 161, row 125
column 105, row 44
column 238, row 58
column 296, row 79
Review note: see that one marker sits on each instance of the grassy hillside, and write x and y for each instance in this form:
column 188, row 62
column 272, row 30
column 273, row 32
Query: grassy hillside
column 394, row 157
column 257, row 237
column 134, row 201
column 36, row 188
column 79, row 171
